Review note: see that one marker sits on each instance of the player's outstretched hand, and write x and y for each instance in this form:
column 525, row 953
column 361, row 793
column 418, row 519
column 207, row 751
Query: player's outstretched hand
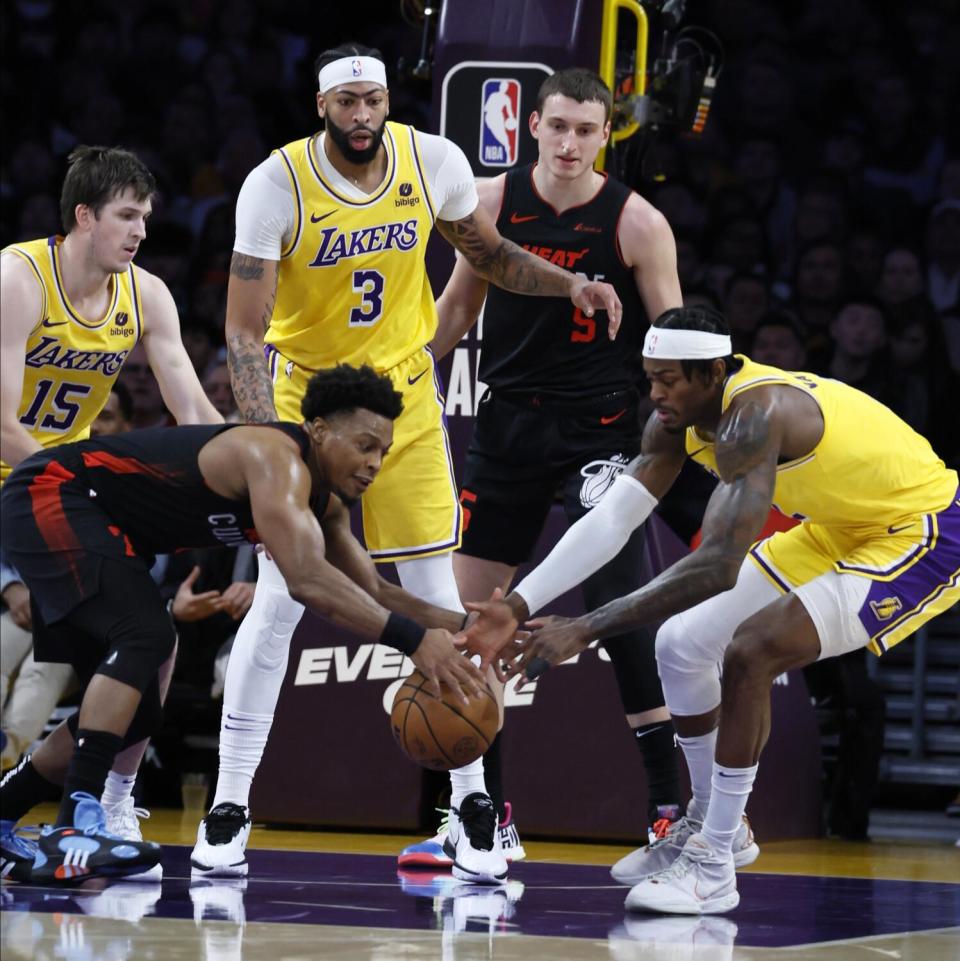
column 440, row 662
column 593, row 295
column 552, row 641
column 491, row 626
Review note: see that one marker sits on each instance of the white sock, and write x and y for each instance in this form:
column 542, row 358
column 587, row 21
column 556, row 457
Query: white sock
column 699, row 752
column 431, row 579
column 467, row 780
column 243, row 738
column 117, row 788
column 255, row 671
column 731, row 788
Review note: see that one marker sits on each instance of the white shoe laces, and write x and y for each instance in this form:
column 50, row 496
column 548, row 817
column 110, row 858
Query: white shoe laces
column 123, row 819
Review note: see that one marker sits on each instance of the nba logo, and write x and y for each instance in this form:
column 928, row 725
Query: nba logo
column 357, row 68
column 499, row 106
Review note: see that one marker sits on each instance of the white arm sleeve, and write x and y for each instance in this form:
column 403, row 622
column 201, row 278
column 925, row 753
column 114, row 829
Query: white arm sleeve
column 594, row 540
column 449, row 175
column 265, row 211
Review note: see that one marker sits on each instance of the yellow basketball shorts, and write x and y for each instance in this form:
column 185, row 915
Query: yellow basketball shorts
column 412, row 508
column 913, row 568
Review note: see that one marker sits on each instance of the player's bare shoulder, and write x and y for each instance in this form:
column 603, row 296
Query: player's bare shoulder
column 490, row 193
column 642, row 228
column 749, row 434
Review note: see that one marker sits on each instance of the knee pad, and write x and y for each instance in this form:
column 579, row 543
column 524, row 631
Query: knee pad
column 690, row 677
column 263, row 639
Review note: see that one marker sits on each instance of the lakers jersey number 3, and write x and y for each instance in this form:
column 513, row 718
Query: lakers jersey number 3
column 352, row 286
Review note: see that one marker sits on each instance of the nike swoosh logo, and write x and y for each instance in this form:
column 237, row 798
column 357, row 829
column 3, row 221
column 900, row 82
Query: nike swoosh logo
column 640, row 734
column 725, row 775
column 54, row 323
column 314, row 219
column 516, row 219
column 896, row 530
column 612, row 417
column 413, row 380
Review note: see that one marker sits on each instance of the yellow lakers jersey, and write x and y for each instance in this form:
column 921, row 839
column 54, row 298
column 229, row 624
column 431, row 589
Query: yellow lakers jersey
column 870, row 469
column 353, row 287
column 71, row 361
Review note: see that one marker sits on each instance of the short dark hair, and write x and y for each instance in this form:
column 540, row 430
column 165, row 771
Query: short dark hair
column 124, row 400
column 698, row 318
column 96, row 175
column 349, row 49
column 342, row 389
column 577, row 84
column 779, row 317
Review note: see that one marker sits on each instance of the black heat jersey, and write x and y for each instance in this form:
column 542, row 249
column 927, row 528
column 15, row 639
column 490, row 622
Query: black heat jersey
column 127, row 497
column 544, row 345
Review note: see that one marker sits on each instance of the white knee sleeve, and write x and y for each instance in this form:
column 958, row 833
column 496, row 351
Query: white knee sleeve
column 431, row 579
column 258, row 660
column 690, row 645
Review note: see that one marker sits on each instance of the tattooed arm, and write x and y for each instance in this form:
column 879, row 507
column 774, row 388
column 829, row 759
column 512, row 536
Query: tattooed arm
column 748, row 443
column 251, row 292
column 503, row 263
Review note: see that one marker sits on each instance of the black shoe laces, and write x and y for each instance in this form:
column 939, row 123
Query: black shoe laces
column 224, row 823
column 479, row 820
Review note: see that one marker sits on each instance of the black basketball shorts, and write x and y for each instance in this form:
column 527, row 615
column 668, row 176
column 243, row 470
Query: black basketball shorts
column 524, row 454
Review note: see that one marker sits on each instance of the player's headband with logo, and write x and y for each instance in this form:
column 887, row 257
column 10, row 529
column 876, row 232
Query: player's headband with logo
column 669, row 344
column 352, row 70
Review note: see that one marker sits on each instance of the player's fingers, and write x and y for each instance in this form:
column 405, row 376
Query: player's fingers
column 191, row 578
column 433, row 682
column 454, row 681
column 536, row 624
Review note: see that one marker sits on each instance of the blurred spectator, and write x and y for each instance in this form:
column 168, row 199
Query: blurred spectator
column 201, row 342
column 859, row 333
column 778, row 341
column 863, row 261
column 943, row 254
column 920, row 372
column 137, row 377
column 116, row 415
column 818, row 285
column 950, row 324
column 745, row 301
column 901, row 277
column 216, row 383
column 29, row 690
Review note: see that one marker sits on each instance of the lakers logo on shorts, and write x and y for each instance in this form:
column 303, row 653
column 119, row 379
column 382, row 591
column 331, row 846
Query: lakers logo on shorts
column 884, row 609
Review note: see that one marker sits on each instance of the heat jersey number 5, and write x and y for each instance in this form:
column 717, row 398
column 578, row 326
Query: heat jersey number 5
column 369, row 284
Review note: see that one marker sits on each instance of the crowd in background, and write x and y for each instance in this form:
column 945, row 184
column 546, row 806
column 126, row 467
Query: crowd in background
column 820, row 209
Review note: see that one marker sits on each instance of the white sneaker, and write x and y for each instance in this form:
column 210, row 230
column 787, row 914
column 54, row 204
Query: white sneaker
column 220, row 851
column 647, row 861
column 430, row 853
column 700, row 881
column 473, row 841
column 123, row 819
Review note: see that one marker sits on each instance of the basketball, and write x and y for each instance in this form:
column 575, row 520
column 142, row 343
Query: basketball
column 442, row 733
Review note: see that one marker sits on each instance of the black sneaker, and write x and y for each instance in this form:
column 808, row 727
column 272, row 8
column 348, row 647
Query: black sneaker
column 87, row 849
column 220, row 851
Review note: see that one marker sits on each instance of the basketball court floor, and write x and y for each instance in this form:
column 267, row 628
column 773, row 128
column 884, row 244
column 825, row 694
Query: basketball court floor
column 340, row 896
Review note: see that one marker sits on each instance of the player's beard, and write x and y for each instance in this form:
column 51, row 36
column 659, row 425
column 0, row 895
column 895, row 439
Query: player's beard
column 341, row 138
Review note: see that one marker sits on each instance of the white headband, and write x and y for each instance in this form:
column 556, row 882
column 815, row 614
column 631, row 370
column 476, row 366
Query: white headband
column 352, row 70
column 667, row 344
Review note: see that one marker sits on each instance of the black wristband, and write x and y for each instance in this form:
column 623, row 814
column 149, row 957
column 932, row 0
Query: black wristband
column 402, row 634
